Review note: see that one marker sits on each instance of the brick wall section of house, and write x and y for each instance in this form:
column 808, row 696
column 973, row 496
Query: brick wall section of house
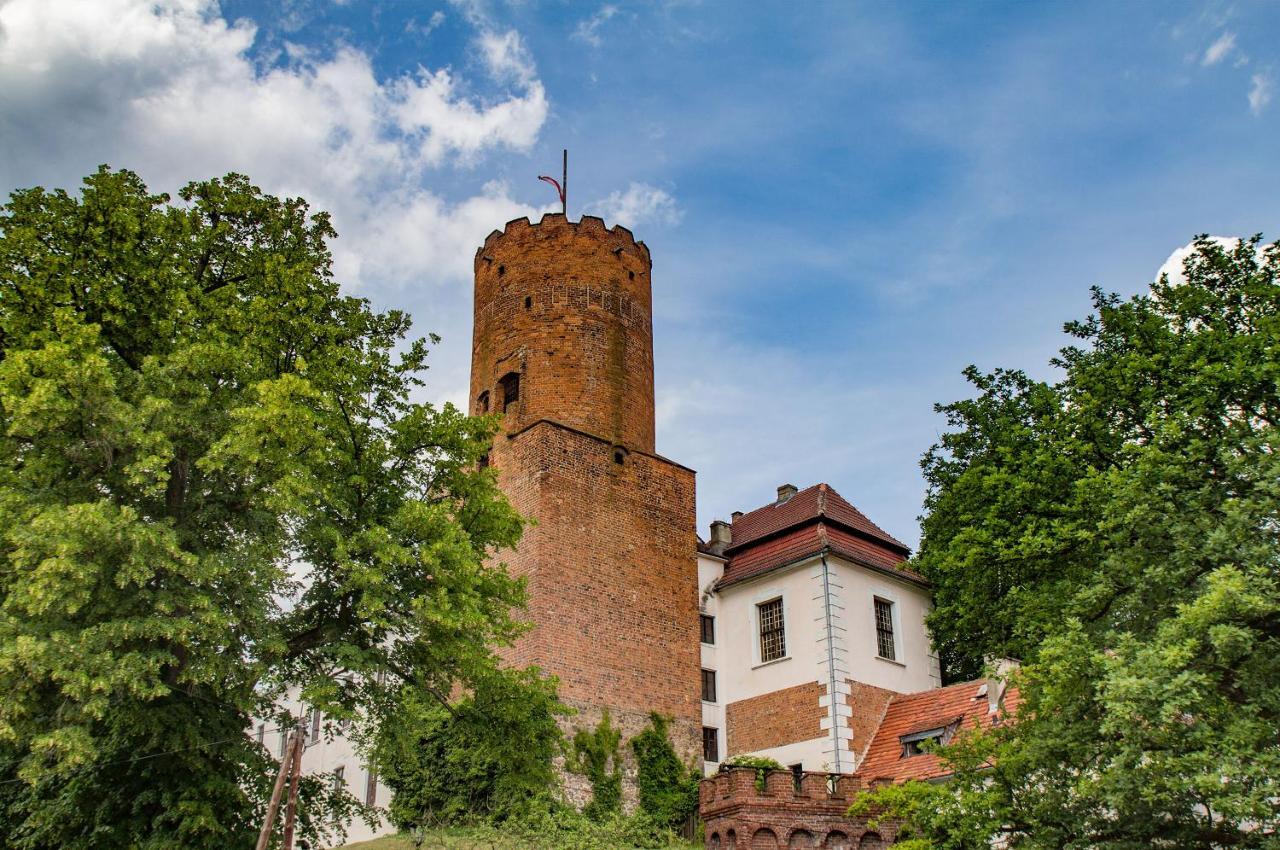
column 611, row 563
column 867, row 705
column 773, row 719
column 737, row 815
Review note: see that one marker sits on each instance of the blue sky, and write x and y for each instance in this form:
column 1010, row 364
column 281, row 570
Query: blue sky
column 846, row 203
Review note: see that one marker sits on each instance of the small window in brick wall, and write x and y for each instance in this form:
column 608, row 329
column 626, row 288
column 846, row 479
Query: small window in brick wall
column 710, row 743
column 709, row 685
column 482, row 402
column 510, row 386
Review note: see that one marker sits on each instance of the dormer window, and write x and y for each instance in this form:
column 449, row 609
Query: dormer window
column 510, row 387
column 916, row 743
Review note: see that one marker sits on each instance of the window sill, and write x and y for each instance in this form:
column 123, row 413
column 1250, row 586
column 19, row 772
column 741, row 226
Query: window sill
column 769, row 663
column 710, row 702
column 892, row 661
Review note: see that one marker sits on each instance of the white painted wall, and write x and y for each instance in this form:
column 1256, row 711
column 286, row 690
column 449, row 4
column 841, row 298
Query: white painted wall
column 709, row 571
column 831, row 638
column 324, row 756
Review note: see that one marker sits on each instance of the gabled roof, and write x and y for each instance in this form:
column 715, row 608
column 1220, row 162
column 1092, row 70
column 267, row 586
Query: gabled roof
column 820, row 501
column 965, row 705
column 814, row 520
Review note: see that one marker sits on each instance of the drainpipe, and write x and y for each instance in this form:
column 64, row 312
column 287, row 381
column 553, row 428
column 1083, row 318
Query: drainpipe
column 831, row 660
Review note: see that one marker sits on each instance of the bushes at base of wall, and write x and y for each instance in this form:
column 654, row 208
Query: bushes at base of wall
column 668, row 790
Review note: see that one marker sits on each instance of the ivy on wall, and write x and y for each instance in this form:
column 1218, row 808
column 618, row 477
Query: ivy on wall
column 596, row 754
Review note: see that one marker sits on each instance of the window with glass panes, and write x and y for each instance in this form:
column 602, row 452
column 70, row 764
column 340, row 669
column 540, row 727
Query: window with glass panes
column 884, row 629
column 710, row 743
column 773, row 639
column 708, row 628
column 709, row 685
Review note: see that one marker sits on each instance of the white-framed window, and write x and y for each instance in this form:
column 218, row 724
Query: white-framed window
column 772, row 629
column 886, row 621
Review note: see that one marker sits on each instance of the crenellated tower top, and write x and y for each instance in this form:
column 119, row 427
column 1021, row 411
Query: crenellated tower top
column 563, row 329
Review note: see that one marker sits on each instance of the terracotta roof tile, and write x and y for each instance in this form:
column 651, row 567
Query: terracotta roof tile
column 820, row 500
column 911, row 713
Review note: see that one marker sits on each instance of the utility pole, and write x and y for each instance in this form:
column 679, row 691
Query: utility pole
column 291, row 808
column 292, row 752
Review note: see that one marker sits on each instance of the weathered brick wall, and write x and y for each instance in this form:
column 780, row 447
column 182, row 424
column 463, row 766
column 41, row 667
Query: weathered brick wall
column 568, row 306
column 737, row 815
column 867, row 705
column 773, row 719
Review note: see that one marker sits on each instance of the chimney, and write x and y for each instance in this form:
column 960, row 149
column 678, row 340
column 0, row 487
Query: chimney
column 998, row 681
column 721, row 536
column 735, row 516
column 785, row 492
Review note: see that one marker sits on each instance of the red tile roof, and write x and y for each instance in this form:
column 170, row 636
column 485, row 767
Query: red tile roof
column 907, row 714
column 814, row 520
column 820, row 500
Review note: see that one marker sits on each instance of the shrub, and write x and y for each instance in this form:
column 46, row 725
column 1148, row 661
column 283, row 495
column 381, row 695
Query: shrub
column 762, row 765
column 487, row 756
column 668, row 789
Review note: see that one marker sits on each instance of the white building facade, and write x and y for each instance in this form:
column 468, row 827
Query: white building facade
column 810, row 627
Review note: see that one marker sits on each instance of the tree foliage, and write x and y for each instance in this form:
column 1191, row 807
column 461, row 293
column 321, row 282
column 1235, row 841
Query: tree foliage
column 1118, row 530
column 213, row 482
column 668, row 789
column 486, row 757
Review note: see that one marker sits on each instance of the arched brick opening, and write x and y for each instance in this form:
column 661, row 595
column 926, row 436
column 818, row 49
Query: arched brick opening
column 801, row 839
column 731, row 840
column 713, row 843
column 872, row 841
column 764, row 839
column 837, row 840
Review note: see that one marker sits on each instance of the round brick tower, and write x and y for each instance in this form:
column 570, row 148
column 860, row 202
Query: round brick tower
column 563, row 329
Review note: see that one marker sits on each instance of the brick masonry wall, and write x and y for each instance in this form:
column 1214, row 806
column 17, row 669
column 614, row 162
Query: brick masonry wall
column 773, row 719
column 867, row 705
column 568, row 306
column 612, row 579
column 737, row 815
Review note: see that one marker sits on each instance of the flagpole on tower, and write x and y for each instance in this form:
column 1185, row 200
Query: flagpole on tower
column 561, row 187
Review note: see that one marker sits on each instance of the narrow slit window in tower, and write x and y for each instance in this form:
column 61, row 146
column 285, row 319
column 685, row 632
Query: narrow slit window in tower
column 510, row 385
column 528, row 302
column 482, row 402
column 502, row 270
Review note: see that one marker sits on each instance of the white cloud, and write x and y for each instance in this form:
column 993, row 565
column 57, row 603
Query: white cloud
column 640, row 204
column 588, row 29
column 1219, row 49
column 170, row 89
column 433, row 23
column 1260, row 92
column 1173, row 266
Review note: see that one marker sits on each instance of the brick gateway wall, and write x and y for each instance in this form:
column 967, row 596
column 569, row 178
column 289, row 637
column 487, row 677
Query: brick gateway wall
column 740, row 817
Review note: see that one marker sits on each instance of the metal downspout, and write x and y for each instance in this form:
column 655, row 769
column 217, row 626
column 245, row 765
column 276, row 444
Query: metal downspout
column 831, row 660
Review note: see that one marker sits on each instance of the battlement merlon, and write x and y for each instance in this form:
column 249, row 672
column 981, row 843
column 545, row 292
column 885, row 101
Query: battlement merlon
column 620, row 236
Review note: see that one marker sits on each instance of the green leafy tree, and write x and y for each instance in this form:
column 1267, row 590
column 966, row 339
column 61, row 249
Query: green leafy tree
column 212, row 483
column 486, row 757
column 1119, row 530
